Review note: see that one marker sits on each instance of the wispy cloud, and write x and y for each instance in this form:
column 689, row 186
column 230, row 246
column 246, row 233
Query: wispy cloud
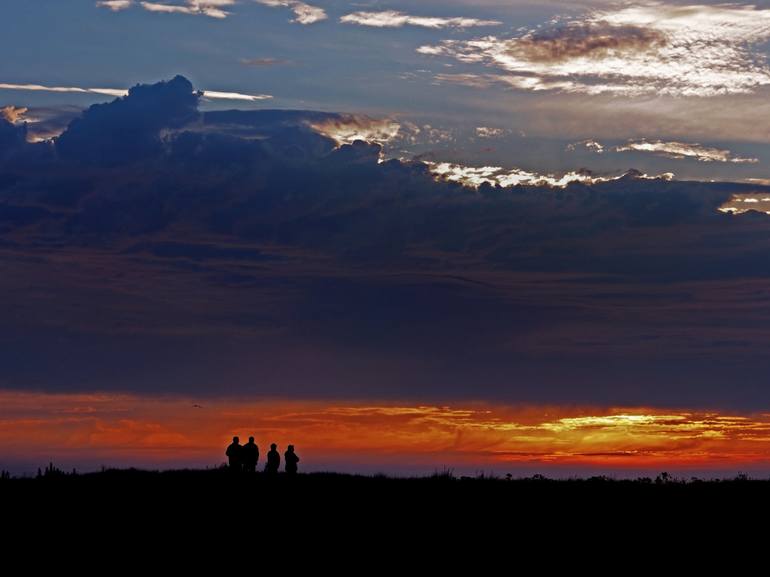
column 303, row 13
column 758, row 181
column 68, row 89
column 681, row 150
column 394, row 19
column 115, row 5
column 530, row 83
column 597, row 147
column 472, row 80
column 670, row 149
column 700, row 50
column 263, row 62
column 210, row 8
column 218, row 95
column 211, row 94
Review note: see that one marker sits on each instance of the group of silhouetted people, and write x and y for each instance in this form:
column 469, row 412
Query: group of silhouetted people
column 244, row 458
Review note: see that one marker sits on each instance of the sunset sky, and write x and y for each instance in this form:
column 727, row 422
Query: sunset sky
column 508, row 236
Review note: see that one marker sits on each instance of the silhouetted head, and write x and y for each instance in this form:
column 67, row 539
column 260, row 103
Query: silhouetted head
column 290, row 449
column 273, row 446
column 251, row 439
column 235, row 439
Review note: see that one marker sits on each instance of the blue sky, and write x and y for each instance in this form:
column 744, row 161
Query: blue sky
column 424, row 75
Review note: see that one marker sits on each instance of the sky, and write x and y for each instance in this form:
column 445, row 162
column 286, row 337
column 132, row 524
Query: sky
column 509, row 236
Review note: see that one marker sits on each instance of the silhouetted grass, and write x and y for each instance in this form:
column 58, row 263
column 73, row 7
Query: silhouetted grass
column 371, row 509
column 209, row 482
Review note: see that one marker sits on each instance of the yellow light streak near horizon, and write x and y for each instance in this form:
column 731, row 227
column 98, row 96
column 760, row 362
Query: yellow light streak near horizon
column 157, row 430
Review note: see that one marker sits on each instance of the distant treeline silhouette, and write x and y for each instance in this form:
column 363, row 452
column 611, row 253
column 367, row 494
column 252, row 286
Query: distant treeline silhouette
column 244, row 458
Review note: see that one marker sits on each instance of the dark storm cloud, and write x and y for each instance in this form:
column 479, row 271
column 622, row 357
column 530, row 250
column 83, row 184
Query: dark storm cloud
column 12, row 136
column 128, row 129
column 17, row 153
column 245, row 251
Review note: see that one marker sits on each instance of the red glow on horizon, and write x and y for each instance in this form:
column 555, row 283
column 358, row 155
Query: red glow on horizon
column 126, row 429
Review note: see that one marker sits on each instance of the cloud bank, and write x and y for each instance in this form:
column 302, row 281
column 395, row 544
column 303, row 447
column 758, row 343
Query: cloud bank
column 154, row 247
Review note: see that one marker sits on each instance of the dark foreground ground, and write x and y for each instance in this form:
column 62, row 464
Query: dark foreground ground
column 213, row 511
column 218, row 492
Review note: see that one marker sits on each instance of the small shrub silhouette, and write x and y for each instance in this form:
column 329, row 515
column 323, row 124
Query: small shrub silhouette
column 663, row 478
column 51, row 471
column 446, row 474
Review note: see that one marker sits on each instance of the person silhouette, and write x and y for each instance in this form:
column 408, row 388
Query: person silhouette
column 273, row 460
column 234, row 454
column 290, row 459
column 250, row 453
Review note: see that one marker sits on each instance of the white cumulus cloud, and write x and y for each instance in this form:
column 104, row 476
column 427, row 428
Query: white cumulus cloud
column 303, row 13
column 394, row 19
column 497, row 175
column 115, row 5
column 489, row 132
column 210, row 8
